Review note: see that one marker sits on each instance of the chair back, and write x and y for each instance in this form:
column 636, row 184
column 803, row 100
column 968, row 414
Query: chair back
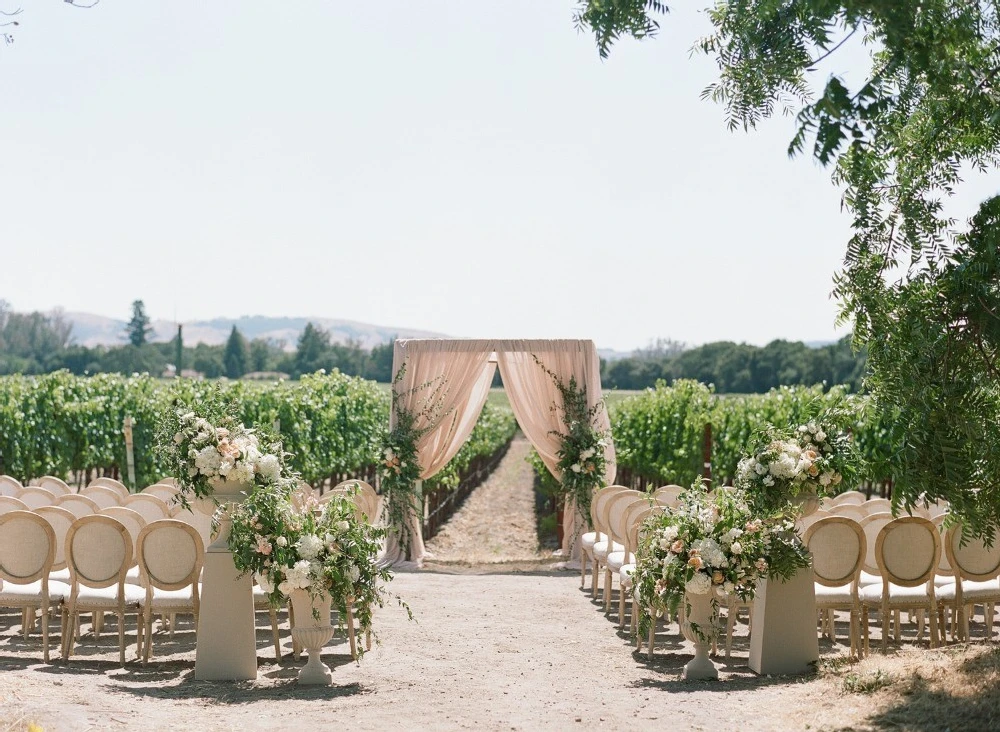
column 166, row 492
column 55, row 486
column 116, row 485
column 848, row 510
column 973, row 561
column 27, row 547
column 604, row 516
column 9, row 486
column 60, row 520
column 78, row 505
column 601, row 497
column 149, row 507
column 202, row 523
column 877, row 505
column 872, row 525
column 34, row 497
column 9, row 503
column 170, row 554
column 364, row 495
column 668, row 495
column 908, row 550
column 804, row 522
column 636, row 515
column 618, row 515
column 167, row 480
column 98, row 552
column 102, row 495
column 838, row 547
column 944, row 566
column 131, row 520
column 939, row 508
column 847, row 497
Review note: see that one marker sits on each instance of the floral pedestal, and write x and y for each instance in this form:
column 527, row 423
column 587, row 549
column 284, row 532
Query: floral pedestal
column 699, row 626
column 783, row 637
column 312, row 631
column 227, row 647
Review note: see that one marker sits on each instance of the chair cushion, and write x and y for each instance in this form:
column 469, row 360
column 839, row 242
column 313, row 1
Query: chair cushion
column 60, row 575
column 829, row 596
column 601, row 549
column 132, row 577
column 108, row 596
column 588, row 540
column 971, row 591
column 869, row 579
column 872, row 595
column 166, row 599
column 31, row 593
column 615, row 560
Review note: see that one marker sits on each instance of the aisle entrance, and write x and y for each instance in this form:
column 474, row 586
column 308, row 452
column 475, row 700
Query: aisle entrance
column 460, row 373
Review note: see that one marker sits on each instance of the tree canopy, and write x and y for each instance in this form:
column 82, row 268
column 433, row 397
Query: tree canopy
column 922, row 289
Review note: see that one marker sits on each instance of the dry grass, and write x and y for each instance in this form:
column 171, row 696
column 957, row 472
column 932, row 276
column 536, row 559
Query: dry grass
column 956, row 687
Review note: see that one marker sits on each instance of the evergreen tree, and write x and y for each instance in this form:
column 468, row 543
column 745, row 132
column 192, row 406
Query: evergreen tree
column 313, row 352
column 237, row 355
column 138, row 328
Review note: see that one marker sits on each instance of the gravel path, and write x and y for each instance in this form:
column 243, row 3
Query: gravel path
column 496, row 524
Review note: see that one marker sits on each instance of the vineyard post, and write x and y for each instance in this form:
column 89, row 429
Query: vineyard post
column 707, row 455
column 129, row 451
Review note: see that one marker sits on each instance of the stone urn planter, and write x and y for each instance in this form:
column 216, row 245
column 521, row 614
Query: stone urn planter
column 699, row 625
column 312, row 630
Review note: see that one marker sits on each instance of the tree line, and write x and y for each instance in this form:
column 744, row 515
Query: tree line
column 739, row 368
column 34, row 343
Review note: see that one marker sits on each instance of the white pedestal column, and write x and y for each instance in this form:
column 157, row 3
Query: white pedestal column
column 227, row 640
column 784, row 637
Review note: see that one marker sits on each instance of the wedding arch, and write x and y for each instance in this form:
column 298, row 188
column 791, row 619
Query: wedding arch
column 459, row 373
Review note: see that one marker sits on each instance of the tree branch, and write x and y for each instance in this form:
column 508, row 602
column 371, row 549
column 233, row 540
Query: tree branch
column 833, row 50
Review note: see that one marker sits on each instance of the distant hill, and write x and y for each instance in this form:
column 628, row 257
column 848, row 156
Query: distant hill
column 92, row 330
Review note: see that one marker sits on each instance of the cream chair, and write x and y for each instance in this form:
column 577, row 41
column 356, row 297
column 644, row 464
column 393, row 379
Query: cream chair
column 27, row 550
column 99, row 553
column 33, row 497
column 607, row 545
column 9, row 503
column 148, row 506
column 633, row 521
column 165, row 492
column 907, row 551
column 135, row 523
column 872, row 525
column 60, row 520
column 804, row 522
column 78, row 505
column 877, row 505
column 364, row 495
column 589, row 538
column 116, row 485
column 976, row 571
column 10, row 486
column 619, row 521
column 668, row 495
column 55, row 486
column 848, row 510
column 102, row 495
column 170, row 555
column 847, row 497
column 838, row 548
column 201, row 522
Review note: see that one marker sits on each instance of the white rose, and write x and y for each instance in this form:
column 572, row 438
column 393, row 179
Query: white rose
column 575, row 467
column 736, row 548
column 281, row 541
column 285, row 588
column 821, row 436
column 343, row 526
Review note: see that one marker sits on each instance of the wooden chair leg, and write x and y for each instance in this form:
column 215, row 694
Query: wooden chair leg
column 274, row 633
column 121, row 637
column 148, row 647
column 621, row 605
column 593, row 579
column 607, row 589
column 652, row 636
column 350, row 633
column 583, row 569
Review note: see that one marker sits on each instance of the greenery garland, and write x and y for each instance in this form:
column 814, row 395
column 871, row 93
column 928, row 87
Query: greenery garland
column 582, row 462
column 400, row 467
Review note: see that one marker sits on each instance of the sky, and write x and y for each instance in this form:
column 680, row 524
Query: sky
column 468, row 168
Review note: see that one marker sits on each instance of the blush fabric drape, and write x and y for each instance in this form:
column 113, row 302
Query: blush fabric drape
column 445, row 382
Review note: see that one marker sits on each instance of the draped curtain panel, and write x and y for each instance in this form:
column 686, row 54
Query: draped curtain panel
column 449, row 380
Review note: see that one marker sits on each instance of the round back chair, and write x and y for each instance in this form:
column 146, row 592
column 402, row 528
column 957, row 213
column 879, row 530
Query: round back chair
column 166, row 492
column 131, row 520
column 847, row 497
column 668, row 495
column 872, row 525
column 848, row 510
column 9, row 486
column 838, row 547
column 60, row 520
column 877, row 505
column 55, row 486
column 907, row 551
column 34, row 497
column 98, row 551
column 78, row 505
column 599, row 502
column 9, row 503
column 116, row 485
column 27, row 549
column 102, row 495
column 150, row 507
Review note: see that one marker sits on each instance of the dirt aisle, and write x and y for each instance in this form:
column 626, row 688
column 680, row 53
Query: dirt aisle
column 497, row 521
